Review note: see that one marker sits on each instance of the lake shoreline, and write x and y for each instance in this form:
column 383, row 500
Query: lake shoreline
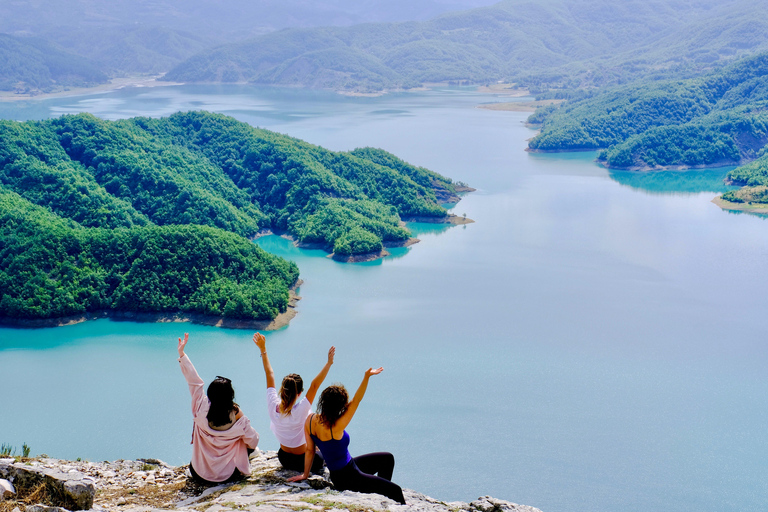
column 113, row 85
column 450, row 219
column 761, row 209
column 280, row 321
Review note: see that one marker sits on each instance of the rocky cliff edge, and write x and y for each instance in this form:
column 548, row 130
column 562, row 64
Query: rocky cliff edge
column 52, row 485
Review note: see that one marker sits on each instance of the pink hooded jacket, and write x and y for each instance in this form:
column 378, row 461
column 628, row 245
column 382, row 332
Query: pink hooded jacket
column 216, row 453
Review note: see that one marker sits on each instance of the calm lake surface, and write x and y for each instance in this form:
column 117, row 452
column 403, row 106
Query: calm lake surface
column 595, row 342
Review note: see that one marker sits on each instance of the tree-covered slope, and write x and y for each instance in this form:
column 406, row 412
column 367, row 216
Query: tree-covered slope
column 52, row 267
column 130, row 49
column 155, row 214
column 538, row 43
column 29, row 64
column 753, row 178
column 715, row 119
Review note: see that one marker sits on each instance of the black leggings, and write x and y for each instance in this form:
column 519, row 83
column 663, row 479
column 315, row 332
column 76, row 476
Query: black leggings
column 296, row 462
column 360, row 475
column 236, row 475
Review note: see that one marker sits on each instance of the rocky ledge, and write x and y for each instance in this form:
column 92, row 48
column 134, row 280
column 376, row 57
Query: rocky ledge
column 151, row 485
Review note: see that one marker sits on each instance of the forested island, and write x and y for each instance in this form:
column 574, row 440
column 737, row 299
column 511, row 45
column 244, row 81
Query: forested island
column 714, row 120
column 155, row 215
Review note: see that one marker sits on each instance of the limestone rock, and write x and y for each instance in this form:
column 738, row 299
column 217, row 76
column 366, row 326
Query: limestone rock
column 75, row 489
column 6, row 489
column 132, row 486
column 489, row 504
column 44, row 508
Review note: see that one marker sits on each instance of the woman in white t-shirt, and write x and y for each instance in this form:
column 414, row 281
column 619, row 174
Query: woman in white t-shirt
column 287, row 414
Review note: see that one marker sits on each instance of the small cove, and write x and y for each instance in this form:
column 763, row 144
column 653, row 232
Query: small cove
column 594, row 342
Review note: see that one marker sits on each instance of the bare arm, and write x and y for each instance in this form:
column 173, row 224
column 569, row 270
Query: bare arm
column 317, row 381
column 309, row 454
column 182, row 344
column 195, row 383
column 261, row 342
column 345, row 418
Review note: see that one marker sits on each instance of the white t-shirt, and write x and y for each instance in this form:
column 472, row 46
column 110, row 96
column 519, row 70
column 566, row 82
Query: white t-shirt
column 288, row 428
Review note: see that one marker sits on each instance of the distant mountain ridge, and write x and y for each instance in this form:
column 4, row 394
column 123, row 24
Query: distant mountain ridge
column 538, row 44
column 542, row 43
column 35, row 64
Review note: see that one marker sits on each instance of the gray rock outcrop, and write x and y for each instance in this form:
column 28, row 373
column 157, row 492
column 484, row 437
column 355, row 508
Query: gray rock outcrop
column 150, row 485
column 73, row 489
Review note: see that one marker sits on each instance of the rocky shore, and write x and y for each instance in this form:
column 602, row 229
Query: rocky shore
column 147, row 485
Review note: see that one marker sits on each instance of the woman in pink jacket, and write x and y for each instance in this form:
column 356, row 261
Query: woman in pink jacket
column 222, row 435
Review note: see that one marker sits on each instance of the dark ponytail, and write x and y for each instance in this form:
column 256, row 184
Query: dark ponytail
column 222, row 397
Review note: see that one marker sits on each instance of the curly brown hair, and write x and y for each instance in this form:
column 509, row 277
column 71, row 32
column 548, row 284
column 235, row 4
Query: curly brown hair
column 332, row 404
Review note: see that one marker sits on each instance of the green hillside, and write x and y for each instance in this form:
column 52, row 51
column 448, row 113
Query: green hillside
column 131, row 49
column 714, row 119
column 540, row 44
column 99, row 210
column 29, row 64
column 52, row 267
column 717, row 119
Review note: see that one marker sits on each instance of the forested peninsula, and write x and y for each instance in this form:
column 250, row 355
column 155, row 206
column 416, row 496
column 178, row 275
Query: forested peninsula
column 154, row 215
column 713, row 120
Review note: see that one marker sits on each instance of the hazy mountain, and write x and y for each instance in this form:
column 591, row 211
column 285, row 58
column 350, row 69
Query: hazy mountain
column 132, row 49
column 224, row 20
column 571, row 43
column 123, row 37
column 35, row 64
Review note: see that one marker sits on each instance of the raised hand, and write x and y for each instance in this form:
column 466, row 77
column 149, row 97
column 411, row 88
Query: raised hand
column 260, row 341
column 331, row 354
column 182, row 344
column 374, row 371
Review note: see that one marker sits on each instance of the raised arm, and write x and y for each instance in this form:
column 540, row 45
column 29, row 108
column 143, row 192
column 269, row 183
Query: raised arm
column 194, row 381
column 317, row 381
column 345, row 418
column 261, row 342
column 309, row 453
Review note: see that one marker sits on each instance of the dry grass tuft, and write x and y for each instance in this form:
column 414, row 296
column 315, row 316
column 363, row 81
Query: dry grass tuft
column 149, row 495
column 42, row 493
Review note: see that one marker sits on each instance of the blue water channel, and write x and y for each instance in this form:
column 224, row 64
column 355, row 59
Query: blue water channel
column 595, row 341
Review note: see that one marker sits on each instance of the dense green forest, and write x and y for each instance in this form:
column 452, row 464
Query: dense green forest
column 54, row 267
column 154, row 214
column 716, row 119
column 753, row 178
column 538, row 44
column 711, row 120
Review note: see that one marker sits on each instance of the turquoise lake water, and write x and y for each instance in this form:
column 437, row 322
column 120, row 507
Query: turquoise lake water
column 595, row 342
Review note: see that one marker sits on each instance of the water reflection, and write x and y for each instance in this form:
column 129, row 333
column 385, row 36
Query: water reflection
column 419, row 229
column 691, row 181
column 759, row 215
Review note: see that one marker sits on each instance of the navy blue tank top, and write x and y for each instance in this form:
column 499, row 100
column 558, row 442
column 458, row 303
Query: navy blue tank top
column 335, row 451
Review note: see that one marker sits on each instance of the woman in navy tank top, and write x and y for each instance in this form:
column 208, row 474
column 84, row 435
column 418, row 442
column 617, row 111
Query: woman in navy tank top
column 371, row 473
